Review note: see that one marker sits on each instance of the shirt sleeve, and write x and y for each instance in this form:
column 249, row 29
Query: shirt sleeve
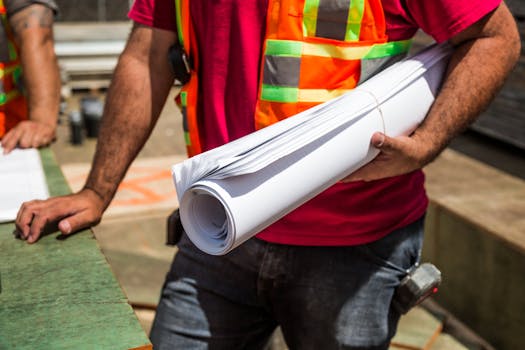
column 13, row 6
column 442, row 19
column 154, row 13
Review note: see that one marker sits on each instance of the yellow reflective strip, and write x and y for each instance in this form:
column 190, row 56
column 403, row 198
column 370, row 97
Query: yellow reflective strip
column 178, row 16
column 327, row 50
column 355, row 17
column 184, row 98
column 11, row 69
column 8, row 70
column 282, row 94
column 356, row 52
column 187, row 138
column 310, row 10
column 319, row 95
column 391, row 48
column 13, row 54
column 6, row 97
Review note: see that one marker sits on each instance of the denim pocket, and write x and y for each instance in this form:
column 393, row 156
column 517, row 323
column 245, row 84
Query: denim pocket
column 400, row 250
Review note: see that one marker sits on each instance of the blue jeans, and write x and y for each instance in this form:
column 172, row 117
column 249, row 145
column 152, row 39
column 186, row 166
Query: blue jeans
column 321, row 297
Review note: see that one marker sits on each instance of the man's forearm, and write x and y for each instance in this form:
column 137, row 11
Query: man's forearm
column 484, row 55
column 136, row 96
column 33, row 28
column 476, row 72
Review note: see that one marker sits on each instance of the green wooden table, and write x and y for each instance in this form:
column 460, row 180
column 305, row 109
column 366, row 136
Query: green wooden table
column 61, row 294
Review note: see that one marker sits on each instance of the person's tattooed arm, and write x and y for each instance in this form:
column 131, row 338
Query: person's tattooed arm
column 37, row 15
column 32, row 28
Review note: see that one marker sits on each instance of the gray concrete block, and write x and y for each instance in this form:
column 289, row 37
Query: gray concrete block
column 474, row 235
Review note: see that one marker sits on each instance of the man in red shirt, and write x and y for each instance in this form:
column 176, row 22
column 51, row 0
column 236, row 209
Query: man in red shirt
column 326, row 272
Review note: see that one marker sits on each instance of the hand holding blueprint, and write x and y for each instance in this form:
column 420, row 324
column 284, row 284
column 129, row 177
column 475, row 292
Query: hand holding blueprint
column 21, row 179
column 230, row 193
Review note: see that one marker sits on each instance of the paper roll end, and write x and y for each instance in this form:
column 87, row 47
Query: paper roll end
column 206, row 222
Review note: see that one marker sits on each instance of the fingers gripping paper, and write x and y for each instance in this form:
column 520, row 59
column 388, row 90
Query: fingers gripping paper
column 230, row 193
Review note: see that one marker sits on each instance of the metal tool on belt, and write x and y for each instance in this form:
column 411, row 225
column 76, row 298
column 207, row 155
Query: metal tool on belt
column 421, row 282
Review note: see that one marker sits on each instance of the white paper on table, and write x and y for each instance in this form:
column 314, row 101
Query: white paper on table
column 21, row 179
column 230, row 193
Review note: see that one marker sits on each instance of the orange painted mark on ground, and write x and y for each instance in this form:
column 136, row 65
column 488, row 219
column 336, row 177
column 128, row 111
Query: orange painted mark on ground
column 138, row 185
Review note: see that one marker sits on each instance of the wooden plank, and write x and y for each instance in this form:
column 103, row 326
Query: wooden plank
column 417, row 330
column 61, row 293
column 446, row 342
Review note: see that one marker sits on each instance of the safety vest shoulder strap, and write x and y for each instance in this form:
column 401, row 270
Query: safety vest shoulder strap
column 13, row 106
column 10, row 70
column 13, row 53
column 182, row 8
column 187, row 98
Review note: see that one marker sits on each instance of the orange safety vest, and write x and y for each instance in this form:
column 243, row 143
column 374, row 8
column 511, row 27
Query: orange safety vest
column 13, row 105
column 314, row 51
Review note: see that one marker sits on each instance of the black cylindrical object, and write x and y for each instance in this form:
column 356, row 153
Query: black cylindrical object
column 76, row 127
column 92, row 109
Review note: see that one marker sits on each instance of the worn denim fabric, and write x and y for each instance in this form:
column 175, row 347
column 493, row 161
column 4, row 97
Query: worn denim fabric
column 322, row 297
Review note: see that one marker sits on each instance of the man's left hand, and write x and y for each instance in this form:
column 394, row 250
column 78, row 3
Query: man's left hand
column 28, row 134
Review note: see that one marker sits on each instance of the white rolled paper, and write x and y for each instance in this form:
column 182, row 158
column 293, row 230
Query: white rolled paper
column 230, row 193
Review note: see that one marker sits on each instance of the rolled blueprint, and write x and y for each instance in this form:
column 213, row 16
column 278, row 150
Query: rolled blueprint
column 229, row 194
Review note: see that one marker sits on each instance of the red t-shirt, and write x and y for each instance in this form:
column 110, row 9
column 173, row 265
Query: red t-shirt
column 230, row 36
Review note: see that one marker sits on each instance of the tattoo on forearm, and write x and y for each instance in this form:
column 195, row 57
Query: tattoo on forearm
column 31, row 17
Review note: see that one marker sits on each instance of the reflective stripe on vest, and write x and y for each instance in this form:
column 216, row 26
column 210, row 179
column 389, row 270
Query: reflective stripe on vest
column 319, row 18
column 282, row 63
column 314, row 50
column 10, row 77
column 187, row 98
column 13, row 106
